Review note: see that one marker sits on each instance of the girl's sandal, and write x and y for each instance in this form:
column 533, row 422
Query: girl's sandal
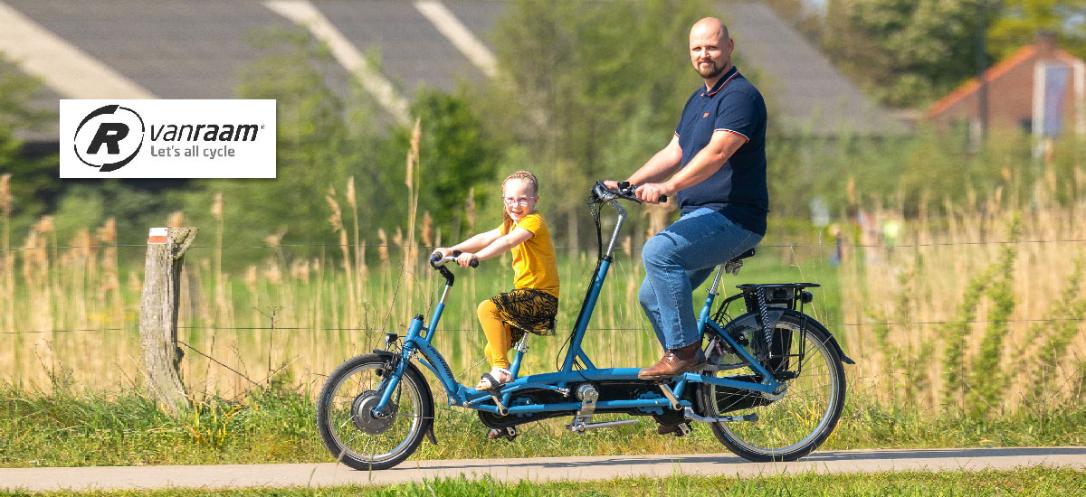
column 494, row 379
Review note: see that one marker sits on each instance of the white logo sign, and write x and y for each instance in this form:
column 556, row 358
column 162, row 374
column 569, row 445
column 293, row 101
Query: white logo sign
column 167, row 138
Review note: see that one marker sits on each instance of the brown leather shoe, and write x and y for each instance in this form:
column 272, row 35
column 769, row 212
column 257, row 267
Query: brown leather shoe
column 675, row 362
column 678, row 430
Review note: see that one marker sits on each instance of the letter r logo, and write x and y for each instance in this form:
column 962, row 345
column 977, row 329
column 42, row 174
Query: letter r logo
column 119, row 129
column 109, row 134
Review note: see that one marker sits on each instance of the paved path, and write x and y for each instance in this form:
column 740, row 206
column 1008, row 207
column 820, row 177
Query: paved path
column 538, row 469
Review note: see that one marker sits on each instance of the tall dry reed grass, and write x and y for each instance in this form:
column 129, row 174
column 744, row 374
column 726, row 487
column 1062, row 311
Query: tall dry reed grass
column 979, row 311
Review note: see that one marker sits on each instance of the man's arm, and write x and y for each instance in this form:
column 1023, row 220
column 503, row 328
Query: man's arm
column 708, row 161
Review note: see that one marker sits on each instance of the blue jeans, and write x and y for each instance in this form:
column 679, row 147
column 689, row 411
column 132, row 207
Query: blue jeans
column 680, row 258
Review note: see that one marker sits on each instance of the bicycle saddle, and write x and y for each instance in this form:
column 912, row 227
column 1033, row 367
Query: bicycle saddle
column 744, row 255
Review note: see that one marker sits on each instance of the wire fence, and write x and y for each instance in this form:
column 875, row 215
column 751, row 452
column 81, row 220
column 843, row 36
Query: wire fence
column 474, row 330
column 821, row 244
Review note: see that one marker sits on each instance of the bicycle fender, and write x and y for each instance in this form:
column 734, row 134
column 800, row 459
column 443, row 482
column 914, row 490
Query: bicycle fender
column 750, row 319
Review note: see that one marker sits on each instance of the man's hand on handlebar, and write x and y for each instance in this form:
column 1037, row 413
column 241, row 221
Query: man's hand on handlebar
column 658, row 192
column 653, row 193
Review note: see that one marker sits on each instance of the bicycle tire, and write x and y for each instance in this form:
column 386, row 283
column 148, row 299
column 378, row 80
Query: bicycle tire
column 340, row 424
column 780, row 432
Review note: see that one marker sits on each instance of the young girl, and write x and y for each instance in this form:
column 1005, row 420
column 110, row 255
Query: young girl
column 533, row 302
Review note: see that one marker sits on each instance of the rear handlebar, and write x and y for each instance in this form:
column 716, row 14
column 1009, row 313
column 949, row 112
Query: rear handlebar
column 625, row 191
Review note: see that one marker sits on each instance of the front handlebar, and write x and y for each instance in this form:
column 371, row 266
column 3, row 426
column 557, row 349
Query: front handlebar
column 439, row 259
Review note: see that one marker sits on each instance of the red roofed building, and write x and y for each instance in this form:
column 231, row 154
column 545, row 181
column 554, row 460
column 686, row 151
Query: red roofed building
column 1038, row 89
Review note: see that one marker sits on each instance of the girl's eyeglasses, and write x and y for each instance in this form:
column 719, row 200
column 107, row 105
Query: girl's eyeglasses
column 510, row 201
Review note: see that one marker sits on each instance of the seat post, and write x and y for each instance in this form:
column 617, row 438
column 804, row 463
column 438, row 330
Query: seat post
column 521, row 347
column 716, row 280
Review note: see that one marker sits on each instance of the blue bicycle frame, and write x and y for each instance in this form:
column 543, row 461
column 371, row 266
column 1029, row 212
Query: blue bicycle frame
column 419, row 340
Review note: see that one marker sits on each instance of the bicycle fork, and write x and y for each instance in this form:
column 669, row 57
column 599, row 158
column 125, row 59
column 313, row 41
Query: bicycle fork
column 399, row 366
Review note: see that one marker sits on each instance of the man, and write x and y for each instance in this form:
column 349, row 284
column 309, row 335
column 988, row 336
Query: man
column 715, row 165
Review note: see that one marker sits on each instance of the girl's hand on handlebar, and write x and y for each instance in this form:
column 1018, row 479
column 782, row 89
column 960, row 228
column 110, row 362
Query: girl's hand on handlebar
column 650, row 193
column 611, row 185
column 465, row 259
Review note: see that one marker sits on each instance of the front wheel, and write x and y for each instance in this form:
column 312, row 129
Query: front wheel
column 354, row 433
column 792, row 423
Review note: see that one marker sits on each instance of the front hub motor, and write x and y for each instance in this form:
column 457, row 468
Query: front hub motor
column 363, row 416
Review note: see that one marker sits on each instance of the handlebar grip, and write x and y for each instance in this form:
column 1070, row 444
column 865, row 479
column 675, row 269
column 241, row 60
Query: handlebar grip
column 436, row 257
column 474, row 260
column 624, row 186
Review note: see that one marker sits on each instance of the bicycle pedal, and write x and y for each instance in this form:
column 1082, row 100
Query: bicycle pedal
column 508, row 433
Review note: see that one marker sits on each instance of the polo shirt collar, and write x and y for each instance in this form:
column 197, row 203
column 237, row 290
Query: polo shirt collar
column 720, row 83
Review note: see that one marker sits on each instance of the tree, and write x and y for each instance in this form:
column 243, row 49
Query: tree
column 322, row 138
column 908, row 52
column 583, row 83
column 135, row 204
column 1020, row 21
column 455, row 156
column 33, row 180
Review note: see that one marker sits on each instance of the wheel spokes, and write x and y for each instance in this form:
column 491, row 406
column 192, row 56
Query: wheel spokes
column 385, row 439
column 792, row 421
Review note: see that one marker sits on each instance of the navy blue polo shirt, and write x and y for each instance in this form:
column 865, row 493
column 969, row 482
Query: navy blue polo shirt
column 738, row 189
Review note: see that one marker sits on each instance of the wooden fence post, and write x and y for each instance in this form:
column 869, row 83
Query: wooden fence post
column 158, row 315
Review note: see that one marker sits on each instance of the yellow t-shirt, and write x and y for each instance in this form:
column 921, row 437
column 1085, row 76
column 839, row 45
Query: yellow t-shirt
column 534, row 263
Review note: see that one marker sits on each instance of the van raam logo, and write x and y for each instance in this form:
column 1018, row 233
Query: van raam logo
column 109, row 126
column 167, row 138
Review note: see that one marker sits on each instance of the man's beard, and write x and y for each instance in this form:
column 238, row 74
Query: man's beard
column 713, row 71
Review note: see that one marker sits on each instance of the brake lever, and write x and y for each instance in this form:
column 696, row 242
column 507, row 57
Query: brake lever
column 601, row 193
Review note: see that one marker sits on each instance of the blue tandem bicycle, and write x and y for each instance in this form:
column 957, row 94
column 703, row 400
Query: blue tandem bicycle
column 772, row 390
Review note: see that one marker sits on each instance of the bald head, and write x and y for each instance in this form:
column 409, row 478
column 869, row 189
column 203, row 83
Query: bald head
column 710, row 27
column 710, row 49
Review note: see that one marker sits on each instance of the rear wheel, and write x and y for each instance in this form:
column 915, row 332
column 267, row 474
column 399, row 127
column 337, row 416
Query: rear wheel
column 790, row 424
column 350, row 428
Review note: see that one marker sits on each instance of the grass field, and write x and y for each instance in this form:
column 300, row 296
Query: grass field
column 277, row 425
column 1037, row 482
